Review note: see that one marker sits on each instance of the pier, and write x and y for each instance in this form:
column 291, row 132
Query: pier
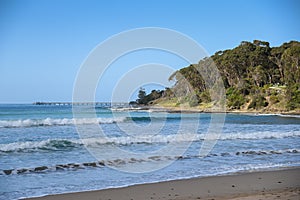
column 99, row 104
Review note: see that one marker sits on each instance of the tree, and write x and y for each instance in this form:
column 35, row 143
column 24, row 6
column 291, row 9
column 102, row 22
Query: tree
column 141, row 96
column 145, row 99
column 291, row 60
column 259, row 76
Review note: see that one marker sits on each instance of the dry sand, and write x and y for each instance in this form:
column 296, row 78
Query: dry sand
column 279, row 184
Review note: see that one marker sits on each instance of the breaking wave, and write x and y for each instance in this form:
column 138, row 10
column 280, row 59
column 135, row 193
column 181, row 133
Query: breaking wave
column 78, row 121
column 62, row 144
column 57, row 122
column 29, row 146
column 278, row 115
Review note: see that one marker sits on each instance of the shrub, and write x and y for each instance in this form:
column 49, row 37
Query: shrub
column 205, row 97
column 293, row 97
column 274, row 99
column 258, row 101
column 235, row 98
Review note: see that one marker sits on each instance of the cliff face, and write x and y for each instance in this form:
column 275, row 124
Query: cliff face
column 255, row 75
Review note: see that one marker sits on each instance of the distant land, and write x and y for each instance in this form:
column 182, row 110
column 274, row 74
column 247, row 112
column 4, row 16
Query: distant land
column 256, row 77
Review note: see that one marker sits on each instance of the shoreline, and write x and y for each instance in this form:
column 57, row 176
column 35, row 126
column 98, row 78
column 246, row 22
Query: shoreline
column 269, row 184
column 178, row 109
column 199, row 110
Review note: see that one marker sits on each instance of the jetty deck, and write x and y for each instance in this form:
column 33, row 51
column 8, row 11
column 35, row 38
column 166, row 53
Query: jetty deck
column 100, row 104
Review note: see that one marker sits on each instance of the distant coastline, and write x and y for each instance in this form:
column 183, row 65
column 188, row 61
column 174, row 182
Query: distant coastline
column 123, row 106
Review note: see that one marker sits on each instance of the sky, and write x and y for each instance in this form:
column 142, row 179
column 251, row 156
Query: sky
column 44, row 43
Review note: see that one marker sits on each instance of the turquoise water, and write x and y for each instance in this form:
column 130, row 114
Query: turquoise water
column 42, row 153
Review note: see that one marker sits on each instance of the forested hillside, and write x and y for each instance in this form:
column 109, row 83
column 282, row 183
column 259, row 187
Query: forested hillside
column 255, row 75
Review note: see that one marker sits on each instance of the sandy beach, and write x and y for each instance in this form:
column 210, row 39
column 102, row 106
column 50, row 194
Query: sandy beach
column 199, row 109
column 278, row 184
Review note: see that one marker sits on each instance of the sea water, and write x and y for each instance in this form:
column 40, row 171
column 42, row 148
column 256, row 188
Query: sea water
column 43, row 149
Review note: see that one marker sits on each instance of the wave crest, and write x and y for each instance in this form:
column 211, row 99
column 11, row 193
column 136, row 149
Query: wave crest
column 57, row 122
column 61, row 144
column 56, row 144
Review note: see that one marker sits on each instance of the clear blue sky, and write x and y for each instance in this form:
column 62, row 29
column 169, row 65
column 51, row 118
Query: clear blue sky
column 43, row 43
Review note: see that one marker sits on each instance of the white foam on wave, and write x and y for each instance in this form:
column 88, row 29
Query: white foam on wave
column 125, row 109
column 264, row 114
column 31, row 145
column 259, row 135
column 279, row 115
column 57, row 122
column 254, row 167
column 15, row 146
column 142, row 139
column 291, row 116
column 189, row 138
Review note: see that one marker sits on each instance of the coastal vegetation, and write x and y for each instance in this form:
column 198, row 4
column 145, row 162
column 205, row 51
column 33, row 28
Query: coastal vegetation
column 256, row 77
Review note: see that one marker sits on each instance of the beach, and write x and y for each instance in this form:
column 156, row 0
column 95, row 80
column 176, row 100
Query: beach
column 277, row 184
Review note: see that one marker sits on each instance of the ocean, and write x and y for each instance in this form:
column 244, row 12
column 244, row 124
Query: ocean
column 45, row 150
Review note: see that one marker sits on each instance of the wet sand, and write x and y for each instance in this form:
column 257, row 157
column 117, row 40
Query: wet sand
column 278, row 184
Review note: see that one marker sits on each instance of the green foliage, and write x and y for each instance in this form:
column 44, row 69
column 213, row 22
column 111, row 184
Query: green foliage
column 258, row 101
column 168, row 93
column 141, row 95
column 145, row 99
column 205, row 97
column 274, row 99
column 193, row 101
column 293, row 96
column 235, row 98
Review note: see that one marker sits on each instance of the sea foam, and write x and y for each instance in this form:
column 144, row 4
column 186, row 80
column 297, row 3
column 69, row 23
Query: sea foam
column 57, row 122
column 61, row 144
